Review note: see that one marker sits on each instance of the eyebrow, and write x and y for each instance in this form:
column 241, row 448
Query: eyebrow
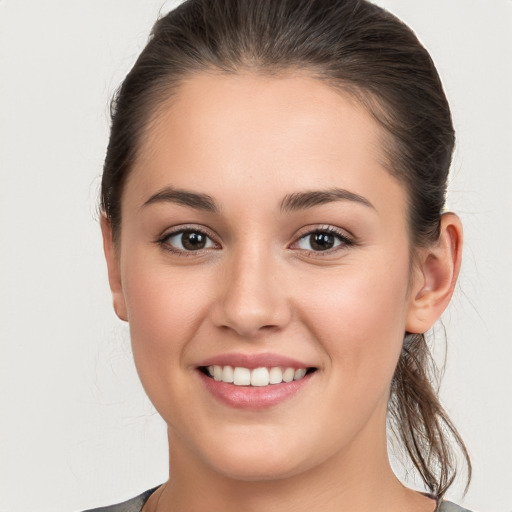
column 194, row 200
column 308, row 199
column 291, row 202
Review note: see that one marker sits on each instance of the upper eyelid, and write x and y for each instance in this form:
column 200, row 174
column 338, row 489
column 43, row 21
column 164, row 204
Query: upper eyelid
column 303, row 232
column 187, row 227
column 347, row 240
column 309, row 230
column 171, row 232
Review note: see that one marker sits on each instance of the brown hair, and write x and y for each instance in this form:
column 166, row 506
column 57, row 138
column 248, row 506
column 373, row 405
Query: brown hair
column 360, row 48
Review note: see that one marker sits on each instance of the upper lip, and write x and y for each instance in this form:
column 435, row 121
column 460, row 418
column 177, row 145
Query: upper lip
column 252, row 361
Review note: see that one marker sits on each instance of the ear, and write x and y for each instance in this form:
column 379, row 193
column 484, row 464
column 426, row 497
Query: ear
column 434, row 276
column 114, row 269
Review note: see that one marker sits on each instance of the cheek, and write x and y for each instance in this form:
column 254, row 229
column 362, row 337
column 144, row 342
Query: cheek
column 165, row 308
column 358, row 313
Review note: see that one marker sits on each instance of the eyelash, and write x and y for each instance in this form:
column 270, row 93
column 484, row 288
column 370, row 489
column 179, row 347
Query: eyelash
column 163, row 241
column 343, row 239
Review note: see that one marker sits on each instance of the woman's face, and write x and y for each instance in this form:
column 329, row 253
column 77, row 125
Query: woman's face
column 260, row 229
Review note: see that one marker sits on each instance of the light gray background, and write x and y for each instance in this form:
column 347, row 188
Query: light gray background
column 76, row 428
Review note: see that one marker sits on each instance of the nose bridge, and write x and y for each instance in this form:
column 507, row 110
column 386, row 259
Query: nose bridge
column 250, row 299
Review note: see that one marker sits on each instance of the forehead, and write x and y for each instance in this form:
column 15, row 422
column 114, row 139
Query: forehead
column 293, row 132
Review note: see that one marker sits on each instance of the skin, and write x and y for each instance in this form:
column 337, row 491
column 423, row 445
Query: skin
column 248, row 141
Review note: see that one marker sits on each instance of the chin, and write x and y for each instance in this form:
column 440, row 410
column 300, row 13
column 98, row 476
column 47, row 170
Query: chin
column 256, row 469
column 259, row 458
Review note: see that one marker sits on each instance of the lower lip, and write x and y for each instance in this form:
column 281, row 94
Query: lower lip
column 253, row 397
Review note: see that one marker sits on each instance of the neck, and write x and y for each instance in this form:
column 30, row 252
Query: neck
column 357, row 480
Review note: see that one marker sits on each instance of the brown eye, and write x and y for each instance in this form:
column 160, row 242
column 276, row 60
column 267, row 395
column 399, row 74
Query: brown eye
column 324, row 240
column 193, row 241
column 189, row 240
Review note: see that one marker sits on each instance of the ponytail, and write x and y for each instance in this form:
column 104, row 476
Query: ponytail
column 419, row 420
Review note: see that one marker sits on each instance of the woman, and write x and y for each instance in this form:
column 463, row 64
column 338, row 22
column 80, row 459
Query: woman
column 273, row 226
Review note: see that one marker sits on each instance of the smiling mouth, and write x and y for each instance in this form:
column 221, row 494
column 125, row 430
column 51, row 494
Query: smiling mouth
column 257, row 377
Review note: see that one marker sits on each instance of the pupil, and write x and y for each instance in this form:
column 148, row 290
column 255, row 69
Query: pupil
column 322, row 241
column 193, row 241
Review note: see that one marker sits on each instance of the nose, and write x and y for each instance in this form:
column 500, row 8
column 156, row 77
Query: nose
column 251, row 298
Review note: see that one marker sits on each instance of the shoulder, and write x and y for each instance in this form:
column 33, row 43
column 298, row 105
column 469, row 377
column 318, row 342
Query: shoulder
column 132, row 505
column 448, row 506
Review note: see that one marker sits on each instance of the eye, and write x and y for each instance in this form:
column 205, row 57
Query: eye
column 322, row 240
column 188, row 240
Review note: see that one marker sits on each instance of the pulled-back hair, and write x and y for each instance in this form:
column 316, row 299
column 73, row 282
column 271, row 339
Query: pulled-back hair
column 351, row 45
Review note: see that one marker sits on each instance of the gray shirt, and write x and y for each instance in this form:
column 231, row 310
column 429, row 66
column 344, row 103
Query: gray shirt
column 136, row 504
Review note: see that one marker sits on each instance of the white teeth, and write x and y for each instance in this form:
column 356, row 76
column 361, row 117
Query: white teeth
column 275, row 375
column 217, row 372
column 242, row 376
column 258, row 377
column 299, row 373
column 288, row 374
column 227, row 374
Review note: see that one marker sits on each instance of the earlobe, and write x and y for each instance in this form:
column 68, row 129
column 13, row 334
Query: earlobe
column 435, row 276
column 114, row 270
